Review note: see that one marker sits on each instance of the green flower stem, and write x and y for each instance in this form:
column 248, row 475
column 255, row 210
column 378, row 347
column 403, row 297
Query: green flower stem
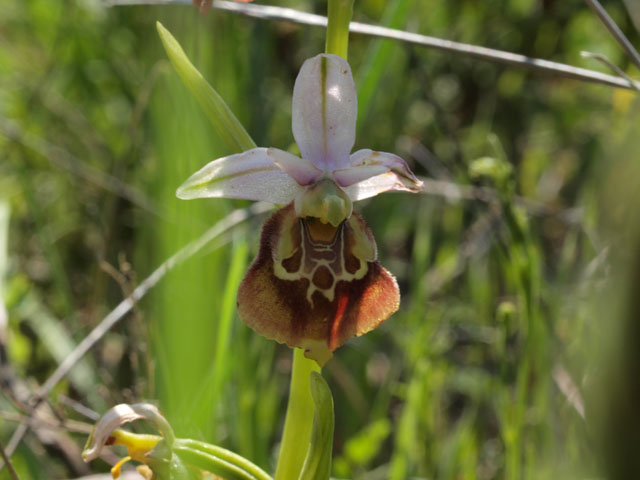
column 340, row 12
column 210, row 463
column 219, row 454
column 299, row 420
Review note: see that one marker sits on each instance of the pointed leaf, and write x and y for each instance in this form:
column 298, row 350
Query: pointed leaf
column 317, row 465
column 220, row 115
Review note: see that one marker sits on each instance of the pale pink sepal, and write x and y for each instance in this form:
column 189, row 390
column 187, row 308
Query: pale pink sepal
column 302, row 170
column 249, row 175
column 324, row 111
column 372, row 173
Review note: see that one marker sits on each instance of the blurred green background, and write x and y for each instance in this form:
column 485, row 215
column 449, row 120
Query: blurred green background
column 491, row 367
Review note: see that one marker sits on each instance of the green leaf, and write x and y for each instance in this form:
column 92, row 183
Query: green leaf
column 317, row 465
column 222, row 118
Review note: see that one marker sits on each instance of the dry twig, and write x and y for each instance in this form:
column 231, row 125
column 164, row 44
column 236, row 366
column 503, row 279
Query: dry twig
column 620, row 37
column 7, row 462
column 483, row 53
column 609, row 64
column 569, row 389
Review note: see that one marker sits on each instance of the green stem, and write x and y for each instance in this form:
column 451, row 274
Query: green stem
column 210, row 463
column 299, row 420
column 340, row 12
column 201, row 453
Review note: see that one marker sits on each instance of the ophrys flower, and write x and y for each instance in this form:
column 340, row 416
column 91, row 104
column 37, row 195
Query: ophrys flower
column 316, row 281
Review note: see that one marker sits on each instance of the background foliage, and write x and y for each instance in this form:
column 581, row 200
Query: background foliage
column 503, row 264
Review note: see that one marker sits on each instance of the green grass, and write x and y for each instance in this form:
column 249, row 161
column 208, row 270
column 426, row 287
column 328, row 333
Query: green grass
column 496, row 296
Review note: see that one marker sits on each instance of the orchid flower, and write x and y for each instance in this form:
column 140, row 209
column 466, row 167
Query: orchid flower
column 316, row 281
column 139, row 446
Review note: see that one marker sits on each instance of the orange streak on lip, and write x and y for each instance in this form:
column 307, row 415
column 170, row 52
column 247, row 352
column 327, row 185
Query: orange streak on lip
column 343, row 300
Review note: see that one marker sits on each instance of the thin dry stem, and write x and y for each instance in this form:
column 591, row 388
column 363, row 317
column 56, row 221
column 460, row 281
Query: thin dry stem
column 609, row 64
column 483, row 53
column 7, row 461
column 620, row 37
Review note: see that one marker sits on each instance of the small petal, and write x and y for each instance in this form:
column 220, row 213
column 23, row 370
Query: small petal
column 301, row 170
column 249, row 175
column 314, row 286
column 372, row 173
column 351, row 175
column 324, row 111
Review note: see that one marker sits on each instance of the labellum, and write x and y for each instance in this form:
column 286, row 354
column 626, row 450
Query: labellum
column 314, row 286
